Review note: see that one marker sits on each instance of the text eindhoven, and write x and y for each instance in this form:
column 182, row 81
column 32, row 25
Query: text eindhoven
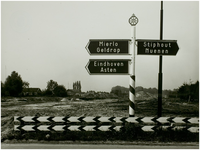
column 156, row 47
column 108, row 47
column 108, row 66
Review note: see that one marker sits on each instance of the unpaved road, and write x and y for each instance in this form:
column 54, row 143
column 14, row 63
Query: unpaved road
column 96, row 146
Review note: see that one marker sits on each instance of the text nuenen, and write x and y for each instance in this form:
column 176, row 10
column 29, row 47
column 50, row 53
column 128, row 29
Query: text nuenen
column 156, row 44
column 156, row 51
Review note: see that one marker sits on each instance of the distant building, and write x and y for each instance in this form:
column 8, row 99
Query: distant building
column 31, row 91
column 76, row 93
column 77, row 86
column 70, row 92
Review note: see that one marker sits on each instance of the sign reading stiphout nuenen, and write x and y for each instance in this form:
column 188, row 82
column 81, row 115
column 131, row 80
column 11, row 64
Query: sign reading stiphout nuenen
column 157, row 47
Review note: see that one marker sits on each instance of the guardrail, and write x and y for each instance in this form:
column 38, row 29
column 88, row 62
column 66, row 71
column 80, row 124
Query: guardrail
column 147, row 124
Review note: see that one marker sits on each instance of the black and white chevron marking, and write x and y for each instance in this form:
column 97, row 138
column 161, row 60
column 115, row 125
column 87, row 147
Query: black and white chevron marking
column 66, row 128
column 61, row 128
column 161, row 120
column 175, row 128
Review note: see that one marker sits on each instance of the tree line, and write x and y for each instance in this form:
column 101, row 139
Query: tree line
column 186, row 92
column 14, row 85
column 189, row 92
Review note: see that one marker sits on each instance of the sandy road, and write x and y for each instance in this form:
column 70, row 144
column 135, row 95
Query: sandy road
column 96, row 146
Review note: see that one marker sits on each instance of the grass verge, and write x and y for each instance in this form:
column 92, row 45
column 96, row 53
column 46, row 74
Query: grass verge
column 130, row 132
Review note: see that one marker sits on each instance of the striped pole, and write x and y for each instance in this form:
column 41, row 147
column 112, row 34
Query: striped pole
column 133, row 20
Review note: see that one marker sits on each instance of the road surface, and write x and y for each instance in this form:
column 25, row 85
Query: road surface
column 95, row 146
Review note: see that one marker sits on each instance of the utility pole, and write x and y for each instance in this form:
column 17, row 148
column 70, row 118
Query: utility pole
column 160, row 75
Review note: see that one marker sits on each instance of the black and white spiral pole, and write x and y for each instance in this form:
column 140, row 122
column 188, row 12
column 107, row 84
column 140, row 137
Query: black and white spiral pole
column 133, row 20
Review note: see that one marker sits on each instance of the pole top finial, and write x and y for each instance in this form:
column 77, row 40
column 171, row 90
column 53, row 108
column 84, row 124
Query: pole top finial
column 133, row 20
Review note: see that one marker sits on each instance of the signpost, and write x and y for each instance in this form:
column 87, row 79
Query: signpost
column 133, row 20
column 157, row 47
column 108, row 46
column 108, row 66
column 121, row 46
column 115, row 66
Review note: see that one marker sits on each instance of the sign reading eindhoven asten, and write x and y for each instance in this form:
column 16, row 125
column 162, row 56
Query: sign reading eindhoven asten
column 107, row 66
column 157, row 47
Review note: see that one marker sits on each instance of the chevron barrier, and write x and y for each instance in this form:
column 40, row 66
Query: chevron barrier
column 98, row 119
column 98, row 128
column 146, row 124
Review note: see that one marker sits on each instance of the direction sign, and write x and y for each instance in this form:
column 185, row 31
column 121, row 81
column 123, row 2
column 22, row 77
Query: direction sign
column 157, row 47
column 112, row 47
column 108, row 66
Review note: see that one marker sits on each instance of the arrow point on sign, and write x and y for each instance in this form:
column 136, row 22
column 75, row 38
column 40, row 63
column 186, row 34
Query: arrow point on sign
column 86, row 47
column 86, row 67
column 177, row 47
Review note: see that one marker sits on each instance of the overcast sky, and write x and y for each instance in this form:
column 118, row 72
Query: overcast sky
column 45, row 41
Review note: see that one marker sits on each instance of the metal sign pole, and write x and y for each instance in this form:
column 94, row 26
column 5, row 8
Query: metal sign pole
column 160, row 75
column 133, row 20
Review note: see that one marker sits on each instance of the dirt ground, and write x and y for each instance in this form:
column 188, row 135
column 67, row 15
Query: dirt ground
column 57, row 106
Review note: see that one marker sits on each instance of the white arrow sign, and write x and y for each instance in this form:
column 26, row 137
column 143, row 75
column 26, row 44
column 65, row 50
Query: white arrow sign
column 148, row 128
column 59, row 127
